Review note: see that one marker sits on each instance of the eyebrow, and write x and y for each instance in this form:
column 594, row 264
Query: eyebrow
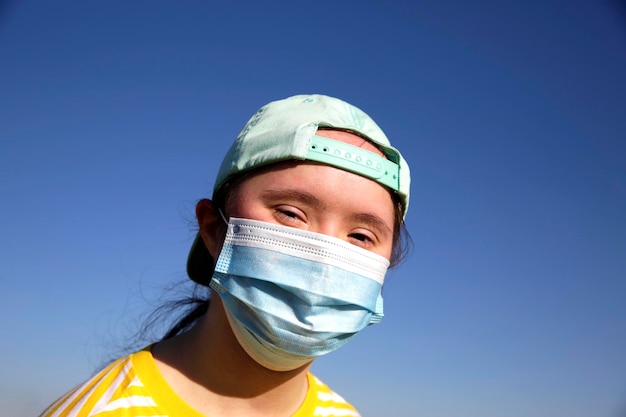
column 374, row 222
column 371, row 220
column 298, row 195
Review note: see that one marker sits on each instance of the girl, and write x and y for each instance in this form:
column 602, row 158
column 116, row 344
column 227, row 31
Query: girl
column 307, row 214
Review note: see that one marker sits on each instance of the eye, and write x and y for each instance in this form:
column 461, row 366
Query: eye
column 289, row 215
column 364, row 239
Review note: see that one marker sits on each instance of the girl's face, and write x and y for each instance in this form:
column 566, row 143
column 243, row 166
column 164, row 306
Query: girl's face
column 320, row 198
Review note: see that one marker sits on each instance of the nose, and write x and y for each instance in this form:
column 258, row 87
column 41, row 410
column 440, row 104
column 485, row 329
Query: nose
column 328, row 226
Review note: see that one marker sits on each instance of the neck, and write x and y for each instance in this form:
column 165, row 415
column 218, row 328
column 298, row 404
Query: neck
column 208, row 369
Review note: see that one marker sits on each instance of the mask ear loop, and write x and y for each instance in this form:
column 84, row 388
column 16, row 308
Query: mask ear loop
column 219, row 210
column 219, row 243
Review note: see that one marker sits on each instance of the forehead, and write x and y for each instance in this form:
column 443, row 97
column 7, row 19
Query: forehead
column 324, row 189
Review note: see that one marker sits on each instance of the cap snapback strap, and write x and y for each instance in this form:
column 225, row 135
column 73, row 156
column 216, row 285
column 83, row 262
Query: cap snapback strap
column 354, row 159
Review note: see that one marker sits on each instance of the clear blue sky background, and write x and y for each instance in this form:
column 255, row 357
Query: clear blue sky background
column 115, row 114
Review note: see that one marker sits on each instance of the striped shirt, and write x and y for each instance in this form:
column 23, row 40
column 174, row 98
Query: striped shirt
column 134, row 387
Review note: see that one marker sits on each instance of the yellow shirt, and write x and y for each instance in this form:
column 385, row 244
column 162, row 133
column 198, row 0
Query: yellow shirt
column 134, row 387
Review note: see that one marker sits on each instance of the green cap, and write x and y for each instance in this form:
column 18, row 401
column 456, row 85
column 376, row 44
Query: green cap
column 286, row 130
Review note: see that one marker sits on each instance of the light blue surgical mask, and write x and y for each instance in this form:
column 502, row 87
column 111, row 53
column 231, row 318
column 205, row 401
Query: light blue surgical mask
column 292, row 295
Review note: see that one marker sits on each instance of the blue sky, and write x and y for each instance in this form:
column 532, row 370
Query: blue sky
column 114, row 117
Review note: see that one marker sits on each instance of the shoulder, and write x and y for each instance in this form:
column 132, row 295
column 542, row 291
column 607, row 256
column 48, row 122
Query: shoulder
column 323, row 401
column 115, row 386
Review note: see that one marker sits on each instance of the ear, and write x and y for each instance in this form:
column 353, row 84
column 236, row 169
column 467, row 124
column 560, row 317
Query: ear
column 211, row 225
